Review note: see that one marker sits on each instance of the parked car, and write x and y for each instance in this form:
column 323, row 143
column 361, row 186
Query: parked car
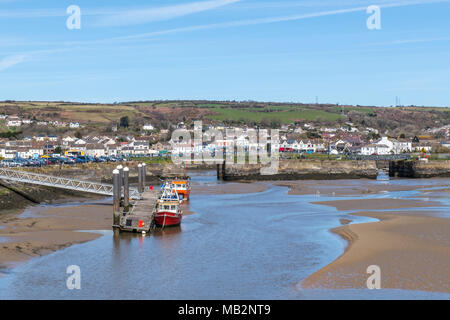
column 9, row 163
column 65, row 160
column 81, row 159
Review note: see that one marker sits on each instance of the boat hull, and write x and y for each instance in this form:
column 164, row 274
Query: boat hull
column 168, row 219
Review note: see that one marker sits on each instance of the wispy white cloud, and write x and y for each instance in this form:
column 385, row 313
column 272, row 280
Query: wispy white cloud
column 111, row 16
column 139, row 16
column 10, row 61
column 408, row 41
column 118, row 16
column 277, row 19
column 306, row 4
column 174, row 11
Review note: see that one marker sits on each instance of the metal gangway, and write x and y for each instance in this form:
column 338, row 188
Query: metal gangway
column 62, row 183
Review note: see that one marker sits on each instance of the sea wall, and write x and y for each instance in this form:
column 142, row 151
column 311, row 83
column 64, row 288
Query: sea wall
column 420, row 169
column 302, row 170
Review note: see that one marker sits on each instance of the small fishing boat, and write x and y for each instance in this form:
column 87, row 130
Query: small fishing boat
column 168, row 208
column 183, row 188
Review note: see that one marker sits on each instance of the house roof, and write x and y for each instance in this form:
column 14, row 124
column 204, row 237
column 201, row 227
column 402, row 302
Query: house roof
column 94, row 146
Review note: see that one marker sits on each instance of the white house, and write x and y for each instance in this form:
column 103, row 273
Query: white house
column 95, row 150
column 396, row 146
column 74, row 125
column 147, row 127
column 24, row 152
column 69, row 139
column 140, row 147
column 80, row 142
column 8, row 152
column 375, row 149
column 385, row 146
column 13, row 121
column 36, row 150
column 112, row 149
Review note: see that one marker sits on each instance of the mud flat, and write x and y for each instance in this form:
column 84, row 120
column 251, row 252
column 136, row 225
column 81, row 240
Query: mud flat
column 378, row 204
column 410, row 247
column 47, row 229
column 348, row 187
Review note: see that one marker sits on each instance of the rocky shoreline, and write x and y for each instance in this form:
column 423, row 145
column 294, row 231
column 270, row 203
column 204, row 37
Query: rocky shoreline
column 19, row 196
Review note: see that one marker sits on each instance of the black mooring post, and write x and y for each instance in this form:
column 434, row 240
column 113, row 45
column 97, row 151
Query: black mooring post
column 126, row 189
column 116, row 198
column 223, row 171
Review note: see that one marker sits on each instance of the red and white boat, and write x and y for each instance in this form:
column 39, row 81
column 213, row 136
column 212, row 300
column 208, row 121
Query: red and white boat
column 168, row 208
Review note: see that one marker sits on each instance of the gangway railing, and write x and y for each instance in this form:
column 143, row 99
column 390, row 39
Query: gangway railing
column 61, row 182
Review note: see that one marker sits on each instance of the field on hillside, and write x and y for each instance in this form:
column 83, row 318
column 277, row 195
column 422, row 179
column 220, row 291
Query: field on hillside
column 100, row 117
column 97, row 113
column 283, row 114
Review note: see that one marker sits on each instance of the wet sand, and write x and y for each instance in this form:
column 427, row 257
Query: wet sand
column 348, row 187
column 412, row 251
column 48, row 229
column 410, row 247
column 377, row 204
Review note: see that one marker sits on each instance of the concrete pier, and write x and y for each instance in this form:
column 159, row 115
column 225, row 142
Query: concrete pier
column 141, row 216
column 138, row 215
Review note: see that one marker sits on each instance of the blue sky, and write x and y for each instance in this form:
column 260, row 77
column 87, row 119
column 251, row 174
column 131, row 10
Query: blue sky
column 263, row 50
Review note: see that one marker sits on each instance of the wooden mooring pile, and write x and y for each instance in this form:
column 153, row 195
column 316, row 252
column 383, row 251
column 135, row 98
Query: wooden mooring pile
column 133, row 214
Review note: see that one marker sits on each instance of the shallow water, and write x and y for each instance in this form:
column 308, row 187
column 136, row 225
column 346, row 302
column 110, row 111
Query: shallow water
column 241, row 246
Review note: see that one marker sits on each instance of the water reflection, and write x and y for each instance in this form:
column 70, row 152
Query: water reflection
column 166, row 232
